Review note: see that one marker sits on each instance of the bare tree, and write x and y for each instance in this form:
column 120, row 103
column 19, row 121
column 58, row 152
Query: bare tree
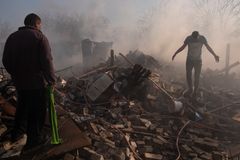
column 66, row 32
column 225, row 12
column 147, row 20
column 5, row 31
column 75, row 28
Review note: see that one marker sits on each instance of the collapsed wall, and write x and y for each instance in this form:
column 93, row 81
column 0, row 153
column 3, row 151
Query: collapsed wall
column 94, row 52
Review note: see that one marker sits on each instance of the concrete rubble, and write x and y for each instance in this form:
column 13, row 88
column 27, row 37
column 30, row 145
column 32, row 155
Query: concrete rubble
column 114, row 112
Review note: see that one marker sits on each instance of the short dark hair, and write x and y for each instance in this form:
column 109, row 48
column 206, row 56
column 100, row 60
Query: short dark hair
column 31, row 19
column 195, row 34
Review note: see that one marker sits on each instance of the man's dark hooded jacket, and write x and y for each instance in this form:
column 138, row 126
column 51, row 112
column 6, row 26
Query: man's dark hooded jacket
column 27, row 57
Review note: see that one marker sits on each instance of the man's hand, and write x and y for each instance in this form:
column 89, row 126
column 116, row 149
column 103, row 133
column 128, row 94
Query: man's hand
column 216, row 58
column 52, row 86
column 173, row 57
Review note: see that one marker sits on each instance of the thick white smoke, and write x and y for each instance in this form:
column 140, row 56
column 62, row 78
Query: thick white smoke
column 157, row 27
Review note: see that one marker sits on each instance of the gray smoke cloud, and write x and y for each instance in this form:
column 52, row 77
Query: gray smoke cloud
column 157, row 27
column 167, row 25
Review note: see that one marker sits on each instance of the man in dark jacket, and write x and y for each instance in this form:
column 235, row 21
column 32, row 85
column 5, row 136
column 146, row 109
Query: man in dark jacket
column 27, row 58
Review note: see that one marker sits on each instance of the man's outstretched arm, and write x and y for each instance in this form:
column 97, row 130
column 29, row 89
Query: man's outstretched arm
column 179, row 50
column 212, row 52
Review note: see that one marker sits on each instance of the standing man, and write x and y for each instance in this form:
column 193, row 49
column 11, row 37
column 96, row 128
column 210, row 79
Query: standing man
column 194, row 60
column 27, row 58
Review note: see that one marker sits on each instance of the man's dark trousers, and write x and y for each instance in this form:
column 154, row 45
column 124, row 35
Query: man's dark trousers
column 197, row 66
column 30, row 115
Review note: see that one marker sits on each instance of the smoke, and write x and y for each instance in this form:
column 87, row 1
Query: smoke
column 161, row 28
column 165, row 27
column 65, row 34
column 157, row 27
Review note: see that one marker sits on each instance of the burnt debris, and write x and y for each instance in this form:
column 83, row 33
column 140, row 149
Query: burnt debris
column 126, row 109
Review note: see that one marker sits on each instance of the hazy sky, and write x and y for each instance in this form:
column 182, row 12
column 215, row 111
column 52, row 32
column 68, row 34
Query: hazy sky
column 121, row 14
column 165, row 25
column 14, row 11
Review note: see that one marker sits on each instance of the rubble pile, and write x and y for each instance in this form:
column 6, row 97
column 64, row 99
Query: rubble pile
column 117, row 113
column 215, row 78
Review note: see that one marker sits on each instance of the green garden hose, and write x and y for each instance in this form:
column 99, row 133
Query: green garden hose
column 55, row 139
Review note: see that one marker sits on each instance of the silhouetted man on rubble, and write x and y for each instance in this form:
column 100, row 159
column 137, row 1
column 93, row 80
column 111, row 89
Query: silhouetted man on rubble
column 27, row 58
column 194, row 60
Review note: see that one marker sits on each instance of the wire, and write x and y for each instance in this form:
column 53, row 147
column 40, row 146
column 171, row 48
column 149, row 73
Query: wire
column 177, row 141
